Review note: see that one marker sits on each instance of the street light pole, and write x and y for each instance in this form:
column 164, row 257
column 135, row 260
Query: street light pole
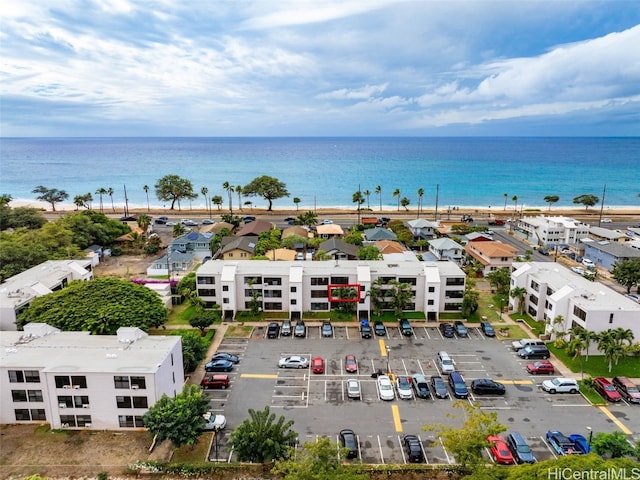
column 590, row 430
column 388, row 357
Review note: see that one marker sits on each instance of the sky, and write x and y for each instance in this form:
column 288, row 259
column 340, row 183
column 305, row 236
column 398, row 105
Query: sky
column 319, row 68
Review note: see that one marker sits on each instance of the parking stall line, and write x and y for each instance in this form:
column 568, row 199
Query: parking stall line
column 406, row 372
column 551, row 450
column 383, row 348
column 395, row 411
column 359, row 447
column 380, row 450
column 424, row 452
column 404, row 459
column 446, row 454
column 618, row 423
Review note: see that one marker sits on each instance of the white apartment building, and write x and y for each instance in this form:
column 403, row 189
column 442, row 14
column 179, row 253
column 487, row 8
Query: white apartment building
column 77, row 380
column 298, row 287
column 19, row 291
column 554, row 290
column 552, row 231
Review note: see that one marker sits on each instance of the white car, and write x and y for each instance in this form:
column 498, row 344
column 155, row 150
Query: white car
column 404, row 388
column 561, row 385
column 385, row 388
column 294, row 361
column 606, row 220
column 578, row 270
column 353, row 388
column 326, row 222
column 588, row 263
column 214, row 422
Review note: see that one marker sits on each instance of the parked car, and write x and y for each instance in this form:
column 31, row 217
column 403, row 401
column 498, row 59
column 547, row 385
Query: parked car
column 404, row 388
column 633, row 296
column 405, row 327
column 215, row 381
column 207, row 221
column 327, row 329
column 447, row 330
column 317, row 365
column 300, row 330
column 218, row 366
column 273, row 329
column 578, row 270
column 413, row 449
column 285, row 329
column 350, row 364
column 385, row 388
column 348, row 440
column 605, row 388
column 420, row 385
column 461, row 330
column 520, row 448
column 225, row 356
column 561, row 385
column 487, row 329
column 561, row 444
column 365, row 329
column 499, row 450
column 294, row 361
column 486, row 386
column 353, row 388
column 588, row 263
column 627, row 389
column 439, row 387
column 541, row 367
column 534, row 351
column 456, row 382
column 290, row 220
column 580, row 442
column 215, row 421
column 189, row 223
column 379, row 329
column 520, row 344
column 606, row 220
column 161, row 220
column 445, row 362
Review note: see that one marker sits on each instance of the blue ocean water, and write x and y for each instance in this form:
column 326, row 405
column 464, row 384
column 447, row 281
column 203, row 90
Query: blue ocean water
column 470, row 171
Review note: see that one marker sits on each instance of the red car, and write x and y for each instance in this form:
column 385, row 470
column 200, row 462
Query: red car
column 317, row 365
column 605, row 388
column 543, row 366
column 499, row 450
column 350, row 364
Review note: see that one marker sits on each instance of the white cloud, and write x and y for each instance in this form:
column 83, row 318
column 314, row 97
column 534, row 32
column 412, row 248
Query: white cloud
column 354, row 94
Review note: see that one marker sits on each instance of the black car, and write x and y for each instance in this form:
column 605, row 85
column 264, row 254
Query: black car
column 300, row 330
column 486, row 386
column 405, row 327
column 348, row 440
column 439, row 387
column 161, row 220
column 225, row 356
column 365, row 329
column 380, row 329
column 273, row 330
column 461, row 330
column 534, row 351
column 487, row 329
column 447, row 330
column 413, row 449
column 219, row 366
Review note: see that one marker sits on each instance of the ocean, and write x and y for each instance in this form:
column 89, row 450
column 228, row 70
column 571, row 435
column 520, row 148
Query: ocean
column 325, row 172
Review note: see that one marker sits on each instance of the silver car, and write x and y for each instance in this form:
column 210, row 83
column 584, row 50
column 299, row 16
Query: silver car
column 353, row 388
column 293, row 361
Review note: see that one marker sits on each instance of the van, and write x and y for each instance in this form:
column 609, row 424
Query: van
column 445, row 362
column 519, row 448
column 518, row 344
column 534, row 351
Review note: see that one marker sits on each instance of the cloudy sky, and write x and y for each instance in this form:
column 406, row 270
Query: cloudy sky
column 319, row 68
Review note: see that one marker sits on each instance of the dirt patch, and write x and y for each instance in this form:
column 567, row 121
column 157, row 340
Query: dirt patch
column 29, row 449
column 124, row 266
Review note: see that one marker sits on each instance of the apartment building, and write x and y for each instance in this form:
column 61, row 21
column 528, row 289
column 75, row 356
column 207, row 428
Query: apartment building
column 298, row 287
column 552, row 231
column 19, row 291
column 78, row 380
column 554, row 290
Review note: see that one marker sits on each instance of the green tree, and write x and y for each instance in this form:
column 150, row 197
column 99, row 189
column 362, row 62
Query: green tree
column 551, row 199
column 514, row 199
column 100, row 306
column 586, row 200
column 611, row 445
column 83, row 201
column 519, row 294
column 369, row 252
column 469, row 441
column 506, row 196
column 307, row 219
column 401, row 295
column 405, row 203
column 172, row 188
column 627, row 273
column 146, row 192
column 204, row 191
column 179, row 419
column 90, row 227
column 261, row 438
column 194, row 349
column 217, row 201
column 229, row 189
column 420, row 195
column 50, row 195
column 469, row 302
column 110, row 192
column 18, row 217
column 367, row 194
column 358, row 199
column 178, row 230
column 377, row 295
column 296, row 201
column 320, row 460
column 378, row 191
column 239, row 190
column 500, row 279
column 100, row 192
column 143, row 222
column 597, row 468
column 267, row 187
column 610, row 347
column 396, row 193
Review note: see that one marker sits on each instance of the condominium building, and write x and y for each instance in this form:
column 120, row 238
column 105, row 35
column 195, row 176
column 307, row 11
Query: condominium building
column 78, row 380
column 298, row 287
column 554, row 291
column 552, row 231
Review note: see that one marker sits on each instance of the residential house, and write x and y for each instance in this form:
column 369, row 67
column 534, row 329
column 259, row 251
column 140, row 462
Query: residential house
column 492, row 255
column 237, row 248
column 600, row 234
column 388, row 247
column 552, row 231
column 217, row 227
column 378, row 233
column 422, row 229
column 172, row 264
column 17, row 292
column 254, row 228
column 281, row 254
column 196, row 243
column 77, row 380
column 296, row 230
column 478, row 237
column 446, row 249
column 331, row 230
column 606, row 254
column 339, row 250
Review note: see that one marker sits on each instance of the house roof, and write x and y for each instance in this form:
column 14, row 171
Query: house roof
column 606, row 233
column 247, row 244
column 295, row 230
column 255, row 228
column 492, row 249
column 281, row 254
column 478, row 237
column 389, row 246
column 330, row 229
column 380, row 234
column 422, row 223
column 444, row 244
column 176, row 257
column 193, row 237
column 615, row 249
column 217, row 227
column 334, row 245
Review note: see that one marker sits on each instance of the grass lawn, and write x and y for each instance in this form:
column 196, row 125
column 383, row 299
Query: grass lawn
column 513, row 331
column 238, row 331
column 597, row 366
column 333, row 316
column 195, row 453
column 181, row 314
column 593, row 396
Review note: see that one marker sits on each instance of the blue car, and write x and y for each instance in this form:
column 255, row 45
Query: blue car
column 219, row 366
column 560, row 444
column 456, row 382
column 582, row 446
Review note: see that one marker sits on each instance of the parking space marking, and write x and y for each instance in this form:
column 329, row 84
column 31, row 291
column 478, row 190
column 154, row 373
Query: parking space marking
column 259, row 375
column 404, row 459
column 446, row 454
column 395, row 411
column 424, row 452
column 380, row 449
column 383, row 348
column 613, row 418
column 544, row 441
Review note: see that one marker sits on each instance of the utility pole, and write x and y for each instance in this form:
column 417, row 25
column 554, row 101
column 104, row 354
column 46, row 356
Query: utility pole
column 435, row 217
column 604, row 190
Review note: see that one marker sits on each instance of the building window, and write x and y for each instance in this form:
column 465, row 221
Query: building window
column 272, row 281
column 455, row 281
column 319, row 281
column 430, row 302
column 294, row 301
column 432, row 289
column 410, row 281
column 38, row 414
column 83, row 420
column 578, row 312
column 79, row 381
column 140, row 402
column 225, row 288
column 272, row 294
column 19, row 395
column 293, row 289
column 22, row 414
column 319, row 306
column 68, row 421
column 272, row 305
column 80, row 401
column 207, row 292
column 32, row 376
column 35, row 395
column 141, row 382
column 65, row 401
column 319, row 294
column 130, row 421
column 225, row 300
column 121, row 382
column 62, row 382
column 253, row 280
column 123, row 402
column 207, row 280
column 16, row 376
column 340, row 280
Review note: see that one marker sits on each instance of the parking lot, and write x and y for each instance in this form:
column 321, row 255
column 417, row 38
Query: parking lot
column 320, row 407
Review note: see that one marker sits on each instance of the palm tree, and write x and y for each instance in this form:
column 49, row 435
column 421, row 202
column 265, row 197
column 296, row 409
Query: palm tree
column 358, row 199
column 378, row 191
column 100, row 192
column 610, row 347
column 519, row 294
column 551, row 199
column 367, row 193
column 586, row 337
column 405, row 203
column 204, row 191
column 146, row 191
column 110, row 192
column 143, row 222
column 622, row 335
column 505, row 195
column 420, row 195
column 396, row 193
column 514, row 199
column 238, row 190
column 296, row 200
column 227, row 186
column 217, row 201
